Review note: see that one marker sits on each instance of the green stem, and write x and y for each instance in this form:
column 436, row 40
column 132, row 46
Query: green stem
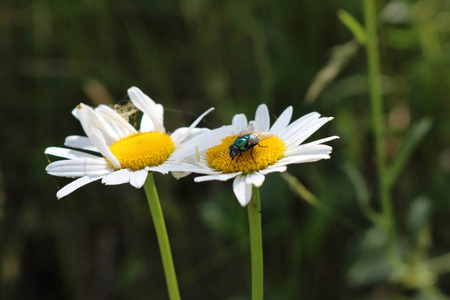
column 254, row 219
column 376, row 102
column 163, row 239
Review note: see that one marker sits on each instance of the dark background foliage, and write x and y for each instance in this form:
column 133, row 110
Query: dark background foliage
column 99, row 242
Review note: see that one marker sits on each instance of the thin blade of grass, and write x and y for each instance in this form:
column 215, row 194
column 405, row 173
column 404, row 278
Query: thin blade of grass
column 301, row 191
column 362, row 193
column 416, row 135
column 353, row 25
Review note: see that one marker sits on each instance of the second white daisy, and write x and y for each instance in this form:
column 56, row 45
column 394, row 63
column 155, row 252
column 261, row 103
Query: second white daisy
column 280, row 145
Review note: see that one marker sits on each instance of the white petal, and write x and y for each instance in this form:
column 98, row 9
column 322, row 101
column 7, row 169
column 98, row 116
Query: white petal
column 118, row 177
column 160, row 112
column 196, row 167
column 146, row 124
column 68, row 153
column 272, row 169
column 171, row 166
column 283, row 121
column 298, row 132
column 100, row 143
column 179, row 175
column 183, row 136
column 160, row 169
column 301, row 159
column 176, row 135
column 80, row 142
column 321, row 141
column 262, row 118
column 148, row 106
column 90, row 122
column 308, row 149
column 138, row 178
column 255, row 178
column 115, row 122
column 76, row 184
column 302, row 122
column 203, row 142
column 79, row 167
column 220, row 177
column 75, row 113
column 239, row 122
column 242, row 190
column 307, row 132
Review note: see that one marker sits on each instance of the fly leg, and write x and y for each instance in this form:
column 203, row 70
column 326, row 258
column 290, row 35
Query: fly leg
column 251, row 154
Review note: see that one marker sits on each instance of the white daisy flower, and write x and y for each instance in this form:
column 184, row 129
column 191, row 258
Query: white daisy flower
column 127, row 154
column 276, row 147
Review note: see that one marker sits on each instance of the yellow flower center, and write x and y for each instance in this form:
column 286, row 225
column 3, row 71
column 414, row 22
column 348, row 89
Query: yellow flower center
column 142, row 150
column 266, row 153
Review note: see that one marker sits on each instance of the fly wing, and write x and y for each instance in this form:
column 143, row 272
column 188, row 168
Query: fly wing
column 263, row 135
column 249, row 129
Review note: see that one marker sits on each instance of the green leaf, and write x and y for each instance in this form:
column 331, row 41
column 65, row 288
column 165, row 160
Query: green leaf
column 301, row 191
column 362, row 193
column 418, row 132
column 353, row 25
column 418, row 215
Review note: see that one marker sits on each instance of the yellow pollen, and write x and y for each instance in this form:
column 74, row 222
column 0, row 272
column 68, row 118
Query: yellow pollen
column 271, row 151
column 142, row 150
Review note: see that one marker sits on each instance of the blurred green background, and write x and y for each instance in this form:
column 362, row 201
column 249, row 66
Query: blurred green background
column 189, row 55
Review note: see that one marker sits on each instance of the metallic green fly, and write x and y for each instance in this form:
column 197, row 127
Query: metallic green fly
column 246, row 140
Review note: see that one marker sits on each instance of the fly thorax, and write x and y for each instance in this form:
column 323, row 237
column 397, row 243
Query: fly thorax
column 241, row 142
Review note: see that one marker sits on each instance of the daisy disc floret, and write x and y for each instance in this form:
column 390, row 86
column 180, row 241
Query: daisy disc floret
column 127, row 154
column 274, row 148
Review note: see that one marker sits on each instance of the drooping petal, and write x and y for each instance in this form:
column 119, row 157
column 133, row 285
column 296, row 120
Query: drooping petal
column 80, row 142
column 138, row 178
column 255, row 178
column 88, row 119
column 76, row 184
column 118, row 177
column 262, row 118
column 148, row 106
column 68, row 153
column 92, row 121
column 242, row 191
column 283, row 121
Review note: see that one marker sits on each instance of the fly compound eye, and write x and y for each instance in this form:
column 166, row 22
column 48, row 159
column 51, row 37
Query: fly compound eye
column 234, row 151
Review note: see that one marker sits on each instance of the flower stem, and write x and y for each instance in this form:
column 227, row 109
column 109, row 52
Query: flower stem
column 254, row 219
column 376, row 102
column 163, row 239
